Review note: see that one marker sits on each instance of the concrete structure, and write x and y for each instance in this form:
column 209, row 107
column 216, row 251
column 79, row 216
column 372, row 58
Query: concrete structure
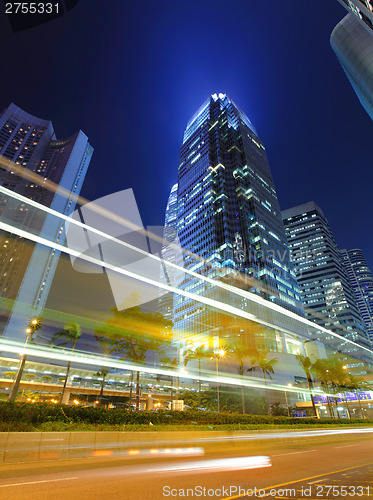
column 361, row 280
column 37, row 166
column 325, row 288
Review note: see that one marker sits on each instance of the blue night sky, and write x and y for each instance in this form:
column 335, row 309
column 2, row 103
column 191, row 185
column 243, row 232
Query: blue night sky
column 130, row 75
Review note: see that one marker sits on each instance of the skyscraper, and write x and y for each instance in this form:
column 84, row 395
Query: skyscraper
column 352, row 42
column 228, row 215
column 30, row 157
column 166, row 302
column 361, row 9
column 361, row 280
column 326, row 293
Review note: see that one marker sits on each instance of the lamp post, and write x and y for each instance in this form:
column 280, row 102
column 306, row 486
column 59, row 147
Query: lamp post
column 286, row 398
column 33, row 326
column 220, row 354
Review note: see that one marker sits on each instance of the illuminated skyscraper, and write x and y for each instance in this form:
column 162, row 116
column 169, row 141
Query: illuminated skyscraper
column 326, row 292
column 166, row 302
column 361, row 280
column 228, row 215
column 31, row 156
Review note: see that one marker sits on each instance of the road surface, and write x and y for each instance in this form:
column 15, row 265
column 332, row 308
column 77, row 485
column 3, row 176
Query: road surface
column 313, row 468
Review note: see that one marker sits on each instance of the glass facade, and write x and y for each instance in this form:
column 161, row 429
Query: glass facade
column 361, row 280
column 326, row 292
column 48, row 171
column 361, row 9
column 352, row 43
column 229, row 221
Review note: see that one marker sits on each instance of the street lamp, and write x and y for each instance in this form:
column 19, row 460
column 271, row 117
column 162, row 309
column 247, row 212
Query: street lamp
column 286, row 398
column 33, row 326
column 220, row 354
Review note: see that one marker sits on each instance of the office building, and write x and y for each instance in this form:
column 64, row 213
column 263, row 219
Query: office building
column 361, row 280
column 229, row 221
column 352, row 42
column 31, row 156
column 361, row 9
column 326, row 292
column 168, row 274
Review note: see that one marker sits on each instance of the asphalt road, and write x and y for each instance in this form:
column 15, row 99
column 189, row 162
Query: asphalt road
column 313, row 468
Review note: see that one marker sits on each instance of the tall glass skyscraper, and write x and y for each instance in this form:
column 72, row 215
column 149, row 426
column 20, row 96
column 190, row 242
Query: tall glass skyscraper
column 326, row 292
column 361, row 280
column 166, row 302
column 352, row 42
column 361, row 9
column 229, row 220
column 31, row 156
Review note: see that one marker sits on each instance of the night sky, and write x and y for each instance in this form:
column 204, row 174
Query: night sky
column 130, row 75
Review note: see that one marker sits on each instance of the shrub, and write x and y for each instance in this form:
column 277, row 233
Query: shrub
column 36, row 414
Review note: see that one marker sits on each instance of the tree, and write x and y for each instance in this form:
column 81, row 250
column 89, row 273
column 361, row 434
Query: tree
column 277, row 410
column 173, row 365
column 134, row 334
column 241, row 352
column 306, row 364
column 33, row 326
column 356, row 385
column 321, row 368
column 266, row 366
column 103, row 374
column 69, row 335
column 197, row 353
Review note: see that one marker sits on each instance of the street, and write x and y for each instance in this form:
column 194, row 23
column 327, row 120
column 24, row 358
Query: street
column 312, row 467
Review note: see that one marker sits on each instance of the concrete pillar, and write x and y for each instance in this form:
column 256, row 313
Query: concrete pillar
column 150, row 404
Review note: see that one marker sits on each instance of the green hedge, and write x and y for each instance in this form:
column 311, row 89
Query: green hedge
column 38, row 413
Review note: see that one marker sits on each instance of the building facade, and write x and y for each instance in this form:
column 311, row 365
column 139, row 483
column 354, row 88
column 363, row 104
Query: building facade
column 361, row 280
column 361, row 9
column 168, row 274
column 352, row 42
column 229, row 221
column 326, row 292
column 34, row 166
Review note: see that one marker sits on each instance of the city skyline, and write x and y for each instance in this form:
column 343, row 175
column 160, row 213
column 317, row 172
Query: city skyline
column 291, row 86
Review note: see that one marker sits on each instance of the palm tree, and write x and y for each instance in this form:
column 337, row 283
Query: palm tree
column 103, row 373
column 198, row 353
column 356, row 385
column 266, row 366
column 69, row 335
column 241, row 352
column 134, row 334
column 321, row 369
column 33, row 326
column 306, row 364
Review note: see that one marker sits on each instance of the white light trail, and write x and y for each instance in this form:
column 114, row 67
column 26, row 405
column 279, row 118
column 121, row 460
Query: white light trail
column 211, row 302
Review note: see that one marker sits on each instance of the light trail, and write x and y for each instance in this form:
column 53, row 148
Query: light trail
column 211, row 302
column 94, row 360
